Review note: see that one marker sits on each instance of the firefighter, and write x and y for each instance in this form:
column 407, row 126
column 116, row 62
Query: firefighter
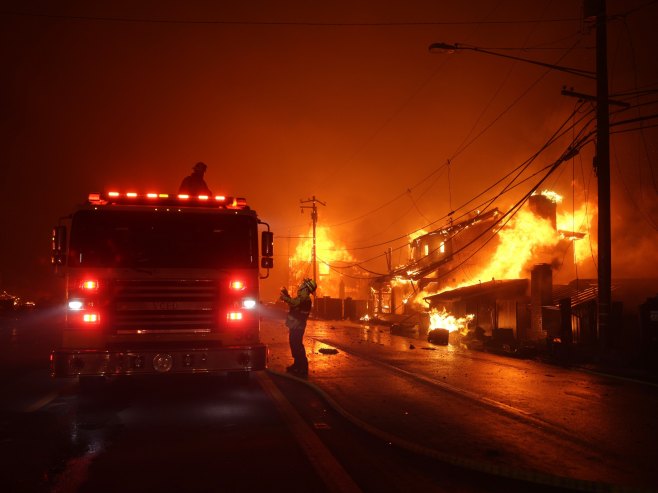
column 194, row 184
column 300, row 308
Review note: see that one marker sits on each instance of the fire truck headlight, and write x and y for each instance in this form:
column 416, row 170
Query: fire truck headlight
column 75, row 305
column 249, row 303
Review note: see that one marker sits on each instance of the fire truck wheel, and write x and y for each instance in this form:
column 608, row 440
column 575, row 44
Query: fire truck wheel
column 91, row 383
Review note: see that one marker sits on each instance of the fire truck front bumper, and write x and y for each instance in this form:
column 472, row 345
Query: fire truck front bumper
column 69, row 363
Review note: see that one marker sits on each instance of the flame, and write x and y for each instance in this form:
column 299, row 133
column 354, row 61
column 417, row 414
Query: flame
column 578, row 221
column 520, row 242
column 398, row 281
column 328, row 252
column 554, row 197
column 528, row 239
column 417, row 234
column 444, row 320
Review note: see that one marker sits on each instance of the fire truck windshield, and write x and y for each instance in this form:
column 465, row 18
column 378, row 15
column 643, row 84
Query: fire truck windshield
column 149, row 239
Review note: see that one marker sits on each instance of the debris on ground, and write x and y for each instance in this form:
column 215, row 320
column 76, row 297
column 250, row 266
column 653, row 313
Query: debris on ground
column 411, row 346
column 325, row 350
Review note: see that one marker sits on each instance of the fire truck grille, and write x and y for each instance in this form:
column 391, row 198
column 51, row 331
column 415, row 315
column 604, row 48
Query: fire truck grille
column 165, row 306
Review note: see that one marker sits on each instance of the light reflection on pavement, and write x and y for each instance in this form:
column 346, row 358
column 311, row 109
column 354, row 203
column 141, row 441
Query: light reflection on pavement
column 595, row 429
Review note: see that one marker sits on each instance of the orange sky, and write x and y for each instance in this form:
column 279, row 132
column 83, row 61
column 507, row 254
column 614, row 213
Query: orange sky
column 286, row 100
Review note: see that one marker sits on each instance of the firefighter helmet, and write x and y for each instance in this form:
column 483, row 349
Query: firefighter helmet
column 309, row 284
column 200, row 167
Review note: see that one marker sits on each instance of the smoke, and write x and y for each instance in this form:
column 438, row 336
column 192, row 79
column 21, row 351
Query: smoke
column 634, row 240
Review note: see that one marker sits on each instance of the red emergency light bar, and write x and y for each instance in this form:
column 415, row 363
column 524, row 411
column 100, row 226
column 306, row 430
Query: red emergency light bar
column 166, row 199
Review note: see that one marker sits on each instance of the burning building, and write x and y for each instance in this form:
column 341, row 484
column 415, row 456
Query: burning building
column 332, row 280
column 436, row 254
column 435, row 259
column 342, row 291
column 493, row 273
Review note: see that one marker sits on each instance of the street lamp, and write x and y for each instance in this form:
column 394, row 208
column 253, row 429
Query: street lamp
column 595, row 9
column 451, row 48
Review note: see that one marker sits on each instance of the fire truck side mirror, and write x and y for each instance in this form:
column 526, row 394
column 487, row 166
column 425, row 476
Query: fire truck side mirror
column 267, row 251
column 267, row 243
column 58, row 254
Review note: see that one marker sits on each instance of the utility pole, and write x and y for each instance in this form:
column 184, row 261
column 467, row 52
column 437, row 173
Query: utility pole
column 603, row 165
column 597, row 9
column 595, row 12
column 314, row 216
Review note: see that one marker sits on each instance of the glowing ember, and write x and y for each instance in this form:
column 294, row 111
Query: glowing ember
column 444, row 320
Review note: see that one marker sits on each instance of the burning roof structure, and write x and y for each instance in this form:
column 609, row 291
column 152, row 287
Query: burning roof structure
column 494, row 245
column 489, row 256
column 435, row 249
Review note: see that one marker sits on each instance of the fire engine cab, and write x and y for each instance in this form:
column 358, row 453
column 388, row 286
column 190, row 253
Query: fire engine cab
column 159, row 283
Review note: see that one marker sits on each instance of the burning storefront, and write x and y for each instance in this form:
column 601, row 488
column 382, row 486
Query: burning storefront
column 512, row 314
column 521, row 316
column 493, row 310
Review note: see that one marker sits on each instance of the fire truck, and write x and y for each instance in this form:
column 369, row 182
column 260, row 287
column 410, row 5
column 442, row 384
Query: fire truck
column 159, row 284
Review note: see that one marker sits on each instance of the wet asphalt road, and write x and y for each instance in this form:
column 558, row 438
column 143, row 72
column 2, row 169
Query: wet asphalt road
column 514, row 417
column 397, row 410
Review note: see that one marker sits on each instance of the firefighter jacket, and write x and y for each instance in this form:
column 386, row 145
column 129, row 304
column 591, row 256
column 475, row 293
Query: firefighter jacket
column 300, row 308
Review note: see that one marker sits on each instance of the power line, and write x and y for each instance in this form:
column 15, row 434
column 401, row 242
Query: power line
column 508, row 216
column 148, row 20
column 638, row 8
column 518, row 170
column 463, row 146
column 571, row 151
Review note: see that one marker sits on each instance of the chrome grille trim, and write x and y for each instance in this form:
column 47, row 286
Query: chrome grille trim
column 164, row 305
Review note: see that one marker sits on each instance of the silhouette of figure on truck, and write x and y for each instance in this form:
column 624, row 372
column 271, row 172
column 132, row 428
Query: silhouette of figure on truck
column 194, row 184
